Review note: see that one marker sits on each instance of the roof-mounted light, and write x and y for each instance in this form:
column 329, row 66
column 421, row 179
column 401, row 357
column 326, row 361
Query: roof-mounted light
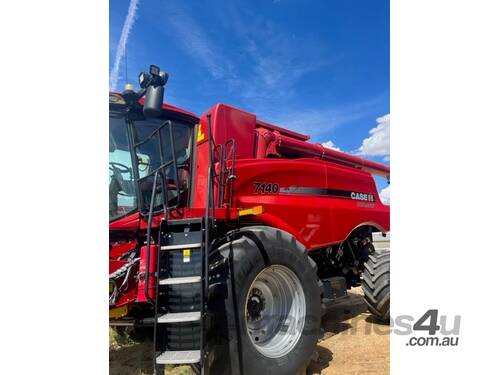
column 116, row 99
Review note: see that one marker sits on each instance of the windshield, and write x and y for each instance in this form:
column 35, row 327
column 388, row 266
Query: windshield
column 122, row 196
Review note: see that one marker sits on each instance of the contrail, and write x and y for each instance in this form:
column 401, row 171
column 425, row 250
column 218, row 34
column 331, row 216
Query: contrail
column 122, row 45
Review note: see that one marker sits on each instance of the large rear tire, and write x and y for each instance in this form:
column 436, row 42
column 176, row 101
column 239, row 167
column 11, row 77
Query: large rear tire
column 376, row 284
column 273, row 301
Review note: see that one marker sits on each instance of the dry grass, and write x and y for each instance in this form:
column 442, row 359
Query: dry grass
column 134, row 357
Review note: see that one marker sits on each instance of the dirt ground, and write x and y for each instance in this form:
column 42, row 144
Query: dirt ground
column 353, row 343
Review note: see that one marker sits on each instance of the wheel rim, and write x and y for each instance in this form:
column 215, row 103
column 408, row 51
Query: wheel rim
column 275, row 311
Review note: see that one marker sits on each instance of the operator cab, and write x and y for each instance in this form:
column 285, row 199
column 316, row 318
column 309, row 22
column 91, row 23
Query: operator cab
column 145, row 152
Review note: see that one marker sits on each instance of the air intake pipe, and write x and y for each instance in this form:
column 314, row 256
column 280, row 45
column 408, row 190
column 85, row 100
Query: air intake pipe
column 272, row 143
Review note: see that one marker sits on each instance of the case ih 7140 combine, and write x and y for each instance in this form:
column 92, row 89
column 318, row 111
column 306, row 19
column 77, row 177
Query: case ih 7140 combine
column 232, row 236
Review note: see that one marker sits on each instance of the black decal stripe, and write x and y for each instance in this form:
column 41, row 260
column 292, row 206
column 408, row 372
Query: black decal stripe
column 303, row 190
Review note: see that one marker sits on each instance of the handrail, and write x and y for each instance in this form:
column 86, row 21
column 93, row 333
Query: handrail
column 163, row 163
column 205, row 250
column 148, row 237
column 209, row 206
column 160, row 171
column 174, row 159
column 231, row 175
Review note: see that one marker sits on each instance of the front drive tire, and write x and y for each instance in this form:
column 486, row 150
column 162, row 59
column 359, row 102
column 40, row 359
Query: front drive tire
column 274, row 302
column 376, row 284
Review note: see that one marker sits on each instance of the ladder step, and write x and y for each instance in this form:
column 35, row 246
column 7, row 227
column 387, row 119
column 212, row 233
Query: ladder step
column 182, row 317
column 178, row 357
column 180, row 280
column 181, row 246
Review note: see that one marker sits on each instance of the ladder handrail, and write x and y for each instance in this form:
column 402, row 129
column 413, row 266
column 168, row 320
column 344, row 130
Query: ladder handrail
column 148, row 237
column 231, row 175
column 205, row 250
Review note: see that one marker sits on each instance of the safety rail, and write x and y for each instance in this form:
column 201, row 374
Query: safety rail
column 208, row 225
column 160, row 171
column 224, row 177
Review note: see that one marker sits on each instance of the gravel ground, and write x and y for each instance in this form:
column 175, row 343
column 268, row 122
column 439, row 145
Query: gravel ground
column 353, row 344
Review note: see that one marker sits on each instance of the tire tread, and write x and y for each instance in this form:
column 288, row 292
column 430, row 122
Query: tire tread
column 376, row 284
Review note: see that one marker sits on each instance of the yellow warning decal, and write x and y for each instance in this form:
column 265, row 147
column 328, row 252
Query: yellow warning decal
column 118, row 312
column 186, row 256
column 201, row 136
column 257, row 210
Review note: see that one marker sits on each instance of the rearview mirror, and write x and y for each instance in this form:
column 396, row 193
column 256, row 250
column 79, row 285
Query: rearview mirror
column 153, row 101
column 154, row 83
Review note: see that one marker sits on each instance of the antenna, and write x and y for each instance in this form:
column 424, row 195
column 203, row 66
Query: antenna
column 126, row 63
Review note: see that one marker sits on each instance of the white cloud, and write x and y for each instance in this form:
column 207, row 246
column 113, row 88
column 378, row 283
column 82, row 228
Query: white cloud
column 122, row 44
column 377, row 144
column 264, row 65
column 196, row 42
column 385, row 195
column 277, row 64
column 316, row 122
column 330, row 144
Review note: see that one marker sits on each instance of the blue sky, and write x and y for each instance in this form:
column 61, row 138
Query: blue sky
column 318, row 67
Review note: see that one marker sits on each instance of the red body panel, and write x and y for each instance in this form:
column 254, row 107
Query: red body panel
column 315, row 204
column 307, row 218
column 315, row 218
column 118, row 249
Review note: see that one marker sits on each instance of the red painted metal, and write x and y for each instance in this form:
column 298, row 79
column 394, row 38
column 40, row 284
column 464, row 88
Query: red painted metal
column 274, row 143
column 167, row 107
column 290, row 146
column 116, row 264
column 316, row 220
column 141, row 296
column 120, row 248
column 289, row 133
column 270, row 154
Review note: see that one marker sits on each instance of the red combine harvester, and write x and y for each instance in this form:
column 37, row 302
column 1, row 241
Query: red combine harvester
column 232, row 236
